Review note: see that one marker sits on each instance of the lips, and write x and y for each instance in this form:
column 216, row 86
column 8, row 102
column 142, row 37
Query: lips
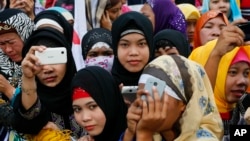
column 50, row 79
column 134, row 62
column 89, row 128
column 238, row 93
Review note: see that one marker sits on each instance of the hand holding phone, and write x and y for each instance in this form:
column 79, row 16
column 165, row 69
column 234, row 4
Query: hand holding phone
column 158, row 83
column 55, row 55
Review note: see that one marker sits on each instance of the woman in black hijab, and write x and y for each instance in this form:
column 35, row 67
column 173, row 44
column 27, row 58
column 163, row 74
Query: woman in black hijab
column 129, row 63
column 96, row 48
column 169, row 41
column 53, row 16
column 97, row 101
column 45, row 95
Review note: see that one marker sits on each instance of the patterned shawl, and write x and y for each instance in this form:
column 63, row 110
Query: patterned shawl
column 24, row 27
column 190, row 82
column 94, row 11
column 167, row 16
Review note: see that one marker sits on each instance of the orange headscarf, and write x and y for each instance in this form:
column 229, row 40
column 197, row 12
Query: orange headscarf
column 202, row 21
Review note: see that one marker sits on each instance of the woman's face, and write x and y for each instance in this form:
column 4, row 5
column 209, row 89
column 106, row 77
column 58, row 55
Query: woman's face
column 52, row 75
column 148, row 12
column 190, row 29
column 237, row 81
column 166, row 51
column 89, row 115
column 12, row 45
column 99, row 51
column 222, row 5
column 174, row 111
column 115, row 11
column 133, row 52
column 211, row 29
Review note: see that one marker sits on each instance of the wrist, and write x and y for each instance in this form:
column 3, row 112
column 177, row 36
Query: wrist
column 128, row 135
column 9, row 91
column 16, row 92
column 144, row 136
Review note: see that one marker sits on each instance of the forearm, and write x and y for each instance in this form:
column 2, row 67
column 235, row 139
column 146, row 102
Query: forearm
column 29, row 93
column 211, row 67
column 9, row 91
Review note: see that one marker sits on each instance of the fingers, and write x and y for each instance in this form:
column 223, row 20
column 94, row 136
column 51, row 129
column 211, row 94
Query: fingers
column 164, row 104
column 31, row 64
column 239, row 21
column 51, row 125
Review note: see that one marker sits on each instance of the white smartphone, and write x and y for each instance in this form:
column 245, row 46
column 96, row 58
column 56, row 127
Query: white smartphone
column 158, row 83
column 55, row 55
column 129, row 93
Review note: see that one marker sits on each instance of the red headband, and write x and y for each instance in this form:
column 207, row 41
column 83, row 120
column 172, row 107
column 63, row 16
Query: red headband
column 79, row 93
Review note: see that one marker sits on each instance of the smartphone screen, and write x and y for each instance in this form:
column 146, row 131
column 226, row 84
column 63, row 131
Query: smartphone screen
column 158, row 83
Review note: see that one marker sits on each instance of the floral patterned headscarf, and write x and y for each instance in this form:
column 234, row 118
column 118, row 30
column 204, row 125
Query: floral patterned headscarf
column 191, row 84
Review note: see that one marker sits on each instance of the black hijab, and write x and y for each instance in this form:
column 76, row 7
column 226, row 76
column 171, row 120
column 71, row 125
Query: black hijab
column 56, row 99
column 125, row 21
column 102, row 88
column 94, row 36
column 176, row 39
column 57, row 17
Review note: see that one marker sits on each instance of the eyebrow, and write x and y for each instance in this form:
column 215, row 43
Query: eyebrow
column 129, row 40
column 7, row 40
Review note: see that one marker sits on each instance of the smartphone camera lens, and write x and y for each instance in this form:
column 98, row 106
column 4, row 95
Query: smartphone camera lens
column 62, row 52
column 155, row 83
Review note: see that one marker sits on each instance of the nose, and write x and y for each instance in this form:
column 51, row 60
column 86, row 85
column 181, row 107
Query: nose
column 222, row 4
column 216, row 32
column 8, row 48
column 133, row 50
column 47, row 69
column 243, row 81
column 85, row 116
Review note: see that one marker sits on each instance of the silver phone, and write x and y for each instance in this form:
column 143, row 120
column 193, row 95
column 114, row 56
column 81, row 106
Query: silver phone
column 158, row 83
column 55, row 55
column 129, row 92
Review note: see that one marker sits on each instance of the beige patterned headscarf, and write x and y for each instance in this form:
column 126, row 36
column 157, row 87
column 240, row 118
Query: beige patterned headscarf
column 201, row 120
column 94, row 11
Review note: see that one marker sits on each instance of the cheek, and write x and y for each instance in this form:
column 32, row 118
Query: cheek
column 203, row 36
column 77, row 118
column 121, row 54
column 61, row 70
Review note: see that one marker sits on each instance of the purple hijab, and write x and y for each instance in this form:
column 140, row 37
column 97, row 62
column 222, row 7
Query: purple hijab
column 167, row 16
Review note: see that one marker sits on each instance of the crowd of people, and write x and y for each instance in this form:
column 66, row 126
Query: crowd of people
column 194, row 47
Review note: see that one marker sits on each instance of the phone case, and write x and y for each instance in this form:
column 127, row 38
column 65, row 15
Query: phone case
column 55, row 55
column 129, row 92
column 158, row 83
column 245, row 27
